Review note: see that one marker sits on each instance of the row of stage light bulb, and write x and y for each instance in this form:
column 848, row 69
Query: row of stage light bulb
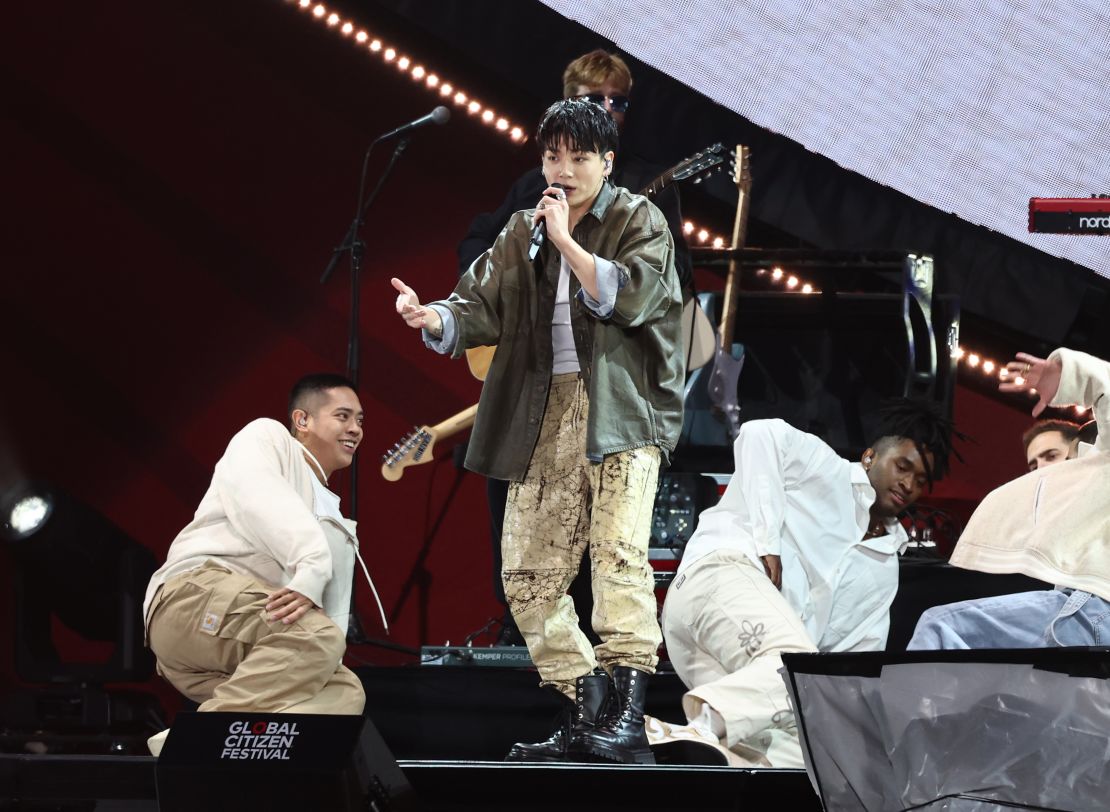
column 777, row 274
column 973, row 360
column 418, row 72
column 966, row 359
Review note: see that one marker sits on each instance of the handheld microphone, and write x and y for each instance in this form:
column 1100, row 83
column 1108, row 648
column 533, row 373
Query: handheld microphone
column 539, row 232
column 441, row 115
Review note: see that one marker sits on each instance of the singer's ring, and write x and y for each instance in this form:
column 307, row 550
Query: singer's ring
column 1025, row 370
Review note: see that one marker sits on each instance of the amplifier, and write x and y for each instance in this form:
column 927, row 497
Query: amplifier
column 494, row 656
column 1070, row 215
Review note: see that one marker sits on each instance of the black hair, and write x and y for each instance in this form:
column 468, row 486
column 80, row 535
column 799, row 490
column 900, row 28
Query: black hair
column 582, row 125
column 310, row 385
column 924, row 424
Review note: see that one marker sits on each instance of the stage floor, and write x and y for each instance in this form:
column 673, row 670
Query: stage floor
column 119, row 783
column 448, row 728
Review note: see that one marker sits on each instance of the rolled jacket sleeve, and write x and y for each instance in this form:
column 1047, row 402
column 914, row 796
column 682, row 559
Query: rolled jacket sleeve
column 608, row 285
column 476, row 301
column 445, row 344
column 642, row 264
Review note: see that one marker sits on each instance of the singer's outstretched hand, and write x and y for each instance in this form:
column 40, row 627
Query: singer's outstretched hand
column 415, row 316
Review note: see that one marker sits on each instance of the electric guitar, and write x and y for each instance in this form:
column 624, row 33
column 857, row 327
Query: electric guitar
column 416, row 447
column 728, row 358
column 695, row 168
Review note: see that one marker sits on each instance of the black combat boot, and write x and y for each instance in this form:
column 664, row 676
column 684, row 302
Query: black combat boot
column 620, row 736
column 591, row 695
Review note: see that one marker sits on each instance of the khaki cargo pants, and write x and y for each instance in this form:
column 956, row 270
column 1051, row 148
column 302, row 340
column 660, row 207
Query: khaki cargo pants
column 564, row 504
column 209, row 630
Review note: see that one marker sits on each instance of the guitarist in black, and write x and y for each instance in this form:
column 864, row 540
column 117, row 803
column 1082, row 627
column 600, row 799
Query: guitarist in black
column 605, row 79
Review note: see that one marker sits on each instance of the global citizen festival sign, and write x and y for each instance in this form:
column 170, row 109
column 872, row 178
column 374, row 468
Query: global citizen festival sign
column 259, row 741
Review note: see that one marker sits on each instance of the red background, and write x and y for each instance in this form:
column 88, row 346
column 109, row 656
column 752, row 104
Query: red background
column 175, row 176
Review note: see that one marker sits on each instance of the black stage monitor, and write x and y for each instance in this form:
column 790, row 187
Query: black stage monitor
column 278, row 761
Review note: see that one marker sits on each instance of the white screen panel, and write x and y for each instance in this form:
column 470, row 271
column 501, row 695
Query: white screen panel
column 970, row 107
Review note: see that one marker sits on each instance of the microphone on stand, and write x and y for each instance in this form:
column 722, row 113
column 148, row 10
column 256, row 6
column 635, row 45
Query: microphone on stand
column 441, row 115
column 539, row 232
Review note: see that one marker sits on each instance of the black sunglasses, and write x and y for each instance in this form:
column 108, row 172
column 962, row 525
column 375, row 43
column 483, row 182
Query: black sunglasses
column 618, row 104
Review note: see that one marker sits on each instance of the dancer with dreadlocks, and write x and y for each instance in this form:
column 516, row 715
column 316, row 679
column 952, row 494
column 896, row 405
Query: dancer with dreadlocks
column 800, row 555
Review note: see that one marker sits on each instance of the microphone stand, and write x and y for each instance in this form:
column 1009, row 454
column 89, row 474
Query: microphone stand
column 353, row 245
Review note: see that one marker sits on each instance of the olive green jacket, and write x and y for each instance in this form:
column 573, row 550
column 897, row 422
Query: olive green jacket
column 632, row 361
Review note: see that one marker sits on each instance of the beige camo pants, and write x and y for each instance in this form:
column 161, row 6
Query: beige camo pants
column 209, row 631
column 564, row 504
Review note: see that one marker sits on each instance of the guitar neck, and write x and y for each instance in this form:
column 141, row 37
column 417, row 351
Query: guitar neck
column 739, row 233
column 659, row 184
column 455, row 423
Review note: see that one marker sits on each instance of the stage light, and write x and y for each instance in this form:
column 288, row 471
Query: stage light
column 319, row 11
column 516, row 133
column 333, row 19
column 776, row 274
column 718, row 242
column 473, row 107
column 74, row 564
column 361, row 36
column 807, row 288
column 792, row 282
column 347, row 29
column 304, row 3
column 502, row 124
column 973, row 360
column 403, row 63
column 28, row 512
column 688, row 227
column 988, row 367
column 487, row 116
column 418, row 72
column 376, row 45
column 389, row 54
column 703, row 235
column 432, row 80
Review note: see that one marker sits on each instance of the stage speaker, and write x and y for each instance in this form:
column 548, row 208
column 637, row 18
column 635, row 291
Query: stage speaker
column 278, row 761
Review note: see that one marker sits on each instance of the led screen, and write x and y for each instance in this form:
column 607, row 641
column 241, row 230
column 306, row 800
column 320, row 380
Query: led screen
column 970, row 107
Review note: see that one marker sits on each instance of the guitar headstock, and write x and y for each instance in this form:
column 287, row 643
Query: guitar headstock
column 701, row 165
column 415, row 448
column 741, row 167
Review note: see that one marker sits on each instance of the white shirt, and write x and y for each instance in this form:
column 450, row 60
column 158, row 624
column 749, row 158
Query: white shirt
column 343, row 544
column 562, row 339
column 792, row 496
